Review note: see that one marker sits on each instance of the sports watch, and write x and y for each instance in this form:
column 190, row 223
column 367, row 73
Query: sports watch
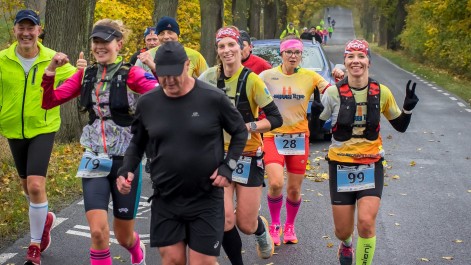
column 232, row 164
column 253, row 126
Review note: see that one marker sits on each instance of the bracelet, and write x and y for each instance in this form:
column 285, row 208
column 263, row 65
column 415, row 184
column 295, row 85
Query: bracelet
column 407, row 111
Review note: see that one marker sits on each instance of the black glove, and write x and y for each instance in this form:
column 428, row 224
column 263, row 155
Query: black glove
column 316, row 107
column 225, row 171
column 411, row 99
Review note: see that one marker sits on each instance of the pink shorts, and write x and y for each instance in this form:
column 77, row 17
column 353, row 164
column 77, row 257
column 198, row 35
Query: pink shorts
column 295, row 164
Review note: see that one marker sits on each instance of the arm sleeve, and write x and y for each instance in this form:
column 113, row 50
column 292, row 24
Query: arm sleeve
column 402, row 122
column 137, row 146
column 273, row 115
column 65, row 92
column 140, row 81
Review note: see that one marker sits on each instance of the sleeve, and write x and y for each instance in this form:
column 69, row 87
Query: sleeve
column 390, row 109
column 330, row 105
column 65, row 92
column 63, row 73
column 259, row 91
column 134, row 58
column 320, row 83
column 137, row 145
column 141, row 81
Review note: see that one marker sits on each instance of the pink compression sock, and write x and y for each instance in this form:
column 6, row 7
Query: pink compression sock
column 100, row 257
column 291, row 210
column 136, row 252
column 275, row 204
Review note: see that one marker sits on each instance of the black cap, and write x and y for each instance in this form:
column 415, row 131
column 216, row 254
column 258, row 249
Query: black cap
column 106, row 33
column 244, row 36
column 27, row 14
column 170, row 59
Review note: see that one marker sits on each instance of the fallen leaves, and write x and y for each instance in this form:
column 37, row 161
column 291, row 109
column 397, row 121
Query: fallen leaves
column 412, row 163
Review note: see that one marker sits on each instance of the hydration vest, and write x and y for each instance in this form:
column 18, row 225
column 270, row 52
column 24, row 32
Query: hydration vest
column 118, row 98
column 342, row 131
column 241, row 100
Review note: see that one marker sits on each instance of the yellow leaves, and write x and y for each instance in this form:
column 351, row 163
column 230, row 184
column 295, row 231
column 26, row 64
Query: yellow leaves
column 424, row 259
column 458, row 241
column 330, row 245
column 412, row 163
column 396, row 177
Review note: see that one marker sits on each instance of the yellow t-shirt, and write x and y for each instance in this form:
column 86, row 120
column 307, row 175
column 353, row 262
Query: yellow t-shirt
column 357, row 150
column 257, row 95
column 291, row 94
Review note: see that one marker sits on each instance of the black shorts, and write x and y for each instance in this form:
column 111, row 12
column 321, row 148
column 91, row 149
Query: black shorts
column 96, row 193
column 32, row 155
column 350, row 198
column 256, row 174
column 200, row 226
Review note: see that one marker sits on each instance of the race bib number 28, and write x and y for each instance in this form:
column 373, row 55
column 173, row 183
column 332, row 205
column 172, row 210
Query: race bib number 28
column 290, row 144
column 94, row 165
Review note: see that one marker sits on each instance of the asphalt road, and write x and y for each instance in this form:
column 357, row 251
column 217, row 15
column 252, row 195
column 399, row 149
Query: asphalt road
column 426, row 207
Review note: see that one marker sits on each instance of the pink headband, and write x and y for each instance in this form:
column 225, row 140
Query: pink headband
column 227, row 32
column 291, row 44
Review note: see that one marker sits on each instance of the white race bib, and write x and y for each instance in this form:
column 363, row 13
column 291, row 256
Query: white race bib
column 290, row 144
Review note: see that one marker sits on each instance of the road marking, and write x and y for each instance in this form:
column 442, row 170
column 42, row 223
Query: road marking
column 112, row 240
column 80, row 202
column 468, row 110
column 461, row 104
column 6, row 256
column 434, row 87
column 446, row 94
column 425, row 82
column 452, row 98
column 439, row 90
column 429, row 84
column 59, row 220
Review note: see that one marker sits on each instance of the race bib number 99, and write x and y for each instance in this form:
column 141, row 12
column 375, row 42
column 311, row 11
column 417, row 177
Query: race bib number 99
column 290, row 144
column 355, row 178
column 94, row 165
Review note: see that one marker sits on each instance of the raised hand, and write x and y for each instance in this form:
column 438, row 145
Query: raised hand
column 81, row 62
column 58, row 60
column 316, row 107
column 411, row 98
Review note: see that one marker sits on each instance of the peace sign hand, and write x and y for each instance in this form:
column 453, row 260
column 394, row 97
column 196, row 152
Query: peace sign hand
column 411, row 98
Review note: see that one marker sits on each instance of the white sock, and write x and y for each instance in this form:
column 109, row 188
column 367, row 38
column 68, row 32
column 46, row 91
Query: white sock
column 37, row 219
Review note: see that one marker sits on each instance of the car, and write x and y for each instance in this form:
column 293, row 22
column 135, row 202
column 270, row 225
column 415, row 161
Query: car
column 314, row 58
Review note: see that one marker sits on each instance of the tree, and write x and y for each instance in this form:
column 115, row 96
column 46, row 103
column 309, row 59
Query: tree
column 254, row 20
column 164, row 8
column 212, row 12
column 240, row 13
column 68, row 26
column 270, row 19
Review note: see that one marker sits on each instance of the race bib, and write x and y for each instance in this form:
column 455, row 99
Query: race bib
column 94, row 165
column 241, row 173
column 355, row 178
column 290, row 144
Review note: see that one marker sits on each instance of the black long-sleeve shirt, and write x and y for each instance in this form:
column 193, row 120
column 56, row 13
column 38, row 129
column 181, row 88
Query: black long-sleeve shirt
column 186, row 137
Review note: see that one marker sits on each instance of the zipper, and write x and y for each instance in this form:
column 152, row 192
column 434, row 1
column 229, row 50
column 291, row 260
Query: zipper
column 23, row 108
column 34, row 74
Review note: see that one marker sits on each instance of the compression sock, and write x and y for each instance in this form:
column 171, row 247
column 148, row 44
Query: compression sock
column 232, row 245
column 365, row 250
column 100, row 257
column 37, row 219
column 348, row 242
column 136, row 253
column 260, row 228
column 292, row 210
column 274, row 205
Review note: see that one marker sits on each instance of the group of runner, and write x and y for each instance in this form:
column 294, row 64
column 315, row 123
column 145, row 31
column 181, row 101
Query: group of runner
column 206, row 192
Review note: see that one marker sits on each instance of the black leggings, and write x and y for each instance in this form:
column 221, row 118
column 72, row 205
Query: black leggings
column 32, row 155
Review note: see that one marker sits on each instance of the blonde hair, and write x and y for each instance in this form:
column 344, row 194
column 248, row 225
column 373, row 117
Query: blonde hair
column 117, row 25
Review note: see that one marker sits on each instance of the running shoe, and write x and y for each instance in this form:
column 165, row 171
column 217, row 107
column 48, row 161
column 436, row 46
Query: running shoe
column 265, row 246
column 275, row 233
column 143, row 261
column 46, row 237
column 345, row 254
column 290, row 235
column 33, row 256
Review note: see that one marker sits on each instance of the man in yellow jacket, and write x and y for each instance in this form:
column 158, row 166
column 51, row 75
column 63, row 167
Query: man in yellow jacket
column 30, row 129
column 290, row 30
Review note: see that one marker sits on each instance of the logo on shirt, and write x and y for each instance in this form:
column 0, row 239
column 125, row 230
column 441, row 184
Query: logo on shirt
column 195, row 114
column 216, row 245
column 275, row 78
column 287, row 94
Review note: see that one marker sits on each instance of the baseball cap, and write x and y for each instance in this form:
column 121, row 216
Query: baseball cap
column 106, row 33
column 167, row 23
column 170, row 59
column 27, row 14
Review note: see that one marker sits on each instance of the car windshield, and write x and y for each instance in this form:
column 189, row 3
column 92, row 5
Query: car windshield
column 312, row 58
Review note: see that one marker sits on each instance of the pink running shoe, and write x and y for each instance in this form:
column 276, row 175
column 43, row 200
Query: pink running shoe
column 46, row 237
column 290, row 235
column 33, row 256
column 275, row 233
column 345, row 254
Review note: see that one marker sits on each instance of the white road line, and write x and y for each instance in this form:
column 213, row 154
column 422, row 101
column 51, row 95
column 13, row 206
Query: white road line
column 80, row 202
column 453, row 98
column 434, row 87
column 468, row 110
column 429, row 84
column 59, row 220
column 6, row 256
column 446, row 94
column 426, row 82
column 112, row 240
column 439, row 90
column 461, row 104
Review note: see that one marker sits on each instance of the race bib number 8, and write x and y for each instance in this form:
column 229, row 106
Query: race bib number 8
column 241, row 173
column 290, row 144
column 94, row 165
column 355, row 178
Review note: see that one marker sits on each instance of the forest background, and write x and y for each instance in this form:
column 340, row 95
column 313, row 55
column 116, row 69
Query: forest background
column 434, row 35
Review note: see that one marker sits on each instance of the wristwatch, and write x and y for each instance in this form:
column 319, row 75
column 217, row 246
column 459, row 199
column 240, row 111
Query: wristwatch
column 253, row 126
column 232, row 164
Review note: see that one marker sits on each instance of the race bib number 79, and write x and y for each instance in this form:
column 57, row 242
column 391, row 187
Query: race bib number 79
column 94, row 165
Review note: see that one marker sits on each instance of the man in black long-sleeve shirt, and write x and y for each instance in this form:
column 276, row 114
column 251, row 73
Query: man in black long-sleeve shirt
column 183, row 120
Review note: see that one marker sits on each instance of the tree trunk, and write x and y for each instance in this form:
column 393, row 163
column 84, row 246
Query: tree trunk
column 270, row 19
column 69, row 24
column 400, row 21
column 240, row 14
column 212, row 13
column 254, row 22
column 164, row 8
column 281, row 15
column 383, row 31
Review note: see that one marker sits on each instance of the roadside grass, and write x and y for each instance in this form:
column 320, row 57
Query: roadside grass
column 62, row 188
column 452, row 83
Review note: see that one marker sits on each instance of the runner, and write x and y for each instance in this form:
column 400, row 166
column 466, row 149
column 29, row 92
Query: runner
column 356, row 153
column 29, row 129
column 249, row 60
column 151, row 40
column 103, row 90
column 252, row 95
column 167, row 29
column 292, row 87
column 190, row 169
